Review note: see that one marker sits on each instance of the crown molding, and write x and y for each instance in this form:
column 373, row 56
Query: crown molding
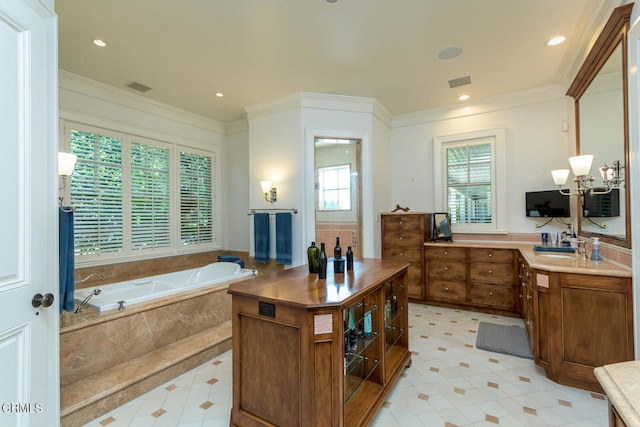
column 94, row 89
column 481, row 106
column 319, row 101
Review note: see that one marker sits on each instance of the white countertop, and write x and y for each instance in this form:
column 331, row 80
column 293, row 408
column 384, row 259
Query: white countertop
column 621, row 382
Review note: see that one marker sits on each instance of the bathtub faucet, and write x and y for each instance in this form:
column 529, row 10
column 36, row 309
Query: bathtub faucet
column 89, row 277
column 86, row 300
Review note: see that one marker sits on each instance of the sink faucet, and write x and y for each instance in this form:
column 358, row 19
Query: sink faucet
column 582, row 249
column 89, row 277
column 86, row 300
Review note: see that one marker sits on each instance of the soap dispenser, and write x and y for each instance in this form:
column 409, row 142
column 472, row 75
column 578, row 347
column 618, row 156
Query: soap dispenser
column 595, row 253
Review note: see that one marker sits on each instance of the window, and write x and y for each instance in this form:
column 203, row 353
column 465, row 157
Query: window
column 96, row 189
column 469, row 183
column 150, row 201
column 469, row 180
column 334, row 188
column 125, row 206
column 196, row 221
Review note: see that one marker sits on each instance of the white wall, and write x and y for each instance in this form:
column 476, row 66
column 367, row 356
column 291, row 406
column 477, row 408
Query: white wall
column 535, row 144
column 92, row 103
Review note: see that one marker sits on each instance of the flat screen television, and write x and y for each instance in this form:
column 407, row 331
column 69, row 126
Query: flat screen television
column 547, row 204
column 601, row 205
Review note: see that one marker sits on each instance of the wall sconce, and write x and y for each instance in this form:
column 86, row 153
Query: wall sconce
column 66, row 164
column 580, row 166
column 270, row 193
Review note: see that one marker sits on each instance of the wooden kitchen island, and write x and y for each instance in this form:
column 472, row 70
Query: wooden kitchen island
column 318, row 352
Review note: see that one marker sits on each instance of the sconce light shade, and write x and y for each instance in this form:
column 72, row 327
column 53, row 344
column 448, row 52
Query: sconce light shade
column 266, row 186
column 560, row 176
column 270, row 193
column 66, row 163
column 581, row 165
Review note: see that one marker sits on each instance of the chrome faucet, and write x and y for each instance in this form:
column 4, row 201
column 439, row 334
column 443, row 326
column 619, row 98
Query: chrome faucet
column 89, row 277
column 86, row 300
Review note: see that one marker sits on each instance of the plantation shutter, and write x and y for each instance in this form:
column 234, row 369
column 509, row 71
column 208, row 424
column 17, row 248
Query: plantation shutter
column 196, row 201
column 150, row 197
column 469, row 183
column 96, row 189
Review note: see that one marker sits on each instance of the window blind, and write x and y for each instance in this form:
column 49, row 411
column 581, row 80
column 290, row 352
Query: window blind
column 196, row 202
column 150, row 197
column 96, row 191
column 469, row 183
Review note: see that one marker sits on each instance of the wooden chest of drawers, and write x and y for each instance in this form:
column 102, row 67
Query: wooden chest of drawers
column 403, row 237
column 473, row 278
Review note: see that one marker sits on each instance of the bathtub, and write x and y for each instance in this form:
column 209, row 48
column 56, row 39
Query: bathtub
column 149, row 288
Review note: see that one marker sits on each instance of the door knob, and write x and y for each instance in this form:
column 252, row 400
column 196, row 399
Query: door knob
column 42, row 300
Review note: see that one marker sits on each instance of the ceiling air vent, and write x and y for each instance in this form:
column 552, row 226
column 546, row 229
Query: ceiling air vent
column 460, row 81
column 138, row 86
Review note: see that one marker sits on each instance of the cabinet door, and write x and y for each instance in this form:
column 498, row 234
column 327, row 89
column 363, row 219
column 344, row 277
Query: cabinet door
column 542, row 319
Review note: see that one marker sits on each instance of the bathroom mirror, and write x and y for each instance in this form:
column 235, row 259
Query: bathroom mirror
column 601, row 110
column 441, row 226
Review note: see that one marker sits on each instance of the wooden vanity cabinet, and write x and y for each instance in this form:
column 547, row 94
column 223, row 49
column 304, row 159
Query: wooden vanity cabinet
column 318, row 352
column 582, row 322
column 403, row 237
column 446, row 274
column 492, row 277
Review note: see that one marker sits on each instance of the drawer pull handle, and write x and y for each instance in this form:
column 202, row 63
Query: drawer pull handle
column 401, row 253
column 446, row 269
column 446, row 289
column 490, row 255
column 446, row 253
column 490, row 294
column 400, row 222
column 401, row 238
column 490, row 271
column 529, row 297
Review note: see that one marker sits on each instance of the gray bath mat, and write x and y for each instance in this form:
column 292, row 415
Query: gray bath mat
column 503, row 339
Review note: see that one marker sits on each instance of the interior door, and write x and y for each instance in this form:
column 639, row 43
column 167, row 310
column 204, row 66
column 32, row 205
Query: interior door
column 28, row 216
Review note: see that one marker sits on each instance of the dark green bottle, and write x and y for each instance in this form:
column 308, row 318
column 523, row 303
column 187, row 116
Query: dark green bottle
column 313, row 253
column 322, row 263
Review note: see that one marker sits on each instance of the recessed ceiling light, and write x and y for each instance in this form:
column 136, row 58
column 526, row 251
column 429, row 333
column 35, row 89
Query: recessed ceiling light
column 463, row 97
column 556, row 40
column 99, row 43
column 219, row 94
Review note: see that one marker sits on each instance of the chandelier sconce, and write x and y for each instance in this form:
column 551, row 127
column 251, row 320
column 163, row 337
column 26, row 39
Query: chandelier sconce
column 581, row 166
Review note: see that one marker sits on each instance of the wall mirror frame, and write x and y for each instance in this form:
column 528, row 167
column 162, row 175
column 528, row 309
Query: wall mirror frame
column 611, row 43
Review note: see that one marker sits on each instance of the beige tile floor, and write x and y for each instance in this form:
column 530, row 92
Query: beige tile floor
column 450, row 384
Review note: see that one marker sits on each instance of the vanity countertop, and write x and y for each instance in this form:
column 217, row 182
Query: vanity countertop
column 545, row 261
column 620, row 382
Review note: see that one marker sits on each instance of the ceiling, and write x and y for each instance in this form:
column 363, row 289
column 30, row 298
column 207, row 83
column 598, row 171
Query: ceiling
column 255, row 51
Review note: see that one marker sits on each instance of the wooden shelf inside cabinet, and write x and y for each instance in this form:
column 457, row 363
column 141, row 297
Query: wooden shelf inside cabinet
column 303, row 352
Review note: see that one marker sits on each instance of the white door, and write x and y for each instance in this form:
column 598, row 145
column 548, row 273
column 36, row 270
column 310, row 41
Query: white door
column 29, row 373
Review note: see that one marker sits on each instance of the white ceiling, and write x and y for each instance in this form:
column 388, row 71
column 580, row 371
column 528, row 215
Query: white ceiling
column 260, row 50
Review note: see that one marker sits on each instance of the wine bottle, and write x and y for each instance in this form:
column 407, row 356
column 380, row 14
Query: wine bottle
column 337, row 251
column 322, row 263
column 349, row 258
column 313, row 253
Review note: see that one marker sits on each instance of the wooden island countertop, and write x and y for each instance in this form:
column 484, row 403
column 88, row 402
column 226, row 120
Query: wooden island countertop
column 297, row 287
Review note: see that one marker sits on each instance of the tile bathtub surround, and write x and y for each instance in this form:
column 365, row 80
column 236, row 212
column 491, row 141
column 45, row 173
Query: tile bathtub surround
column 450, row 384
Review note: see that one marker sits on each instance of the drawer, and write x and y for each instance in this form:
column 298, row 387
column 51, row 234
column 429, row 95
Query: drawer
column 402, row 254
column 447, row 291
column 491, row 255
column 395, row 223
column 496, row 296
column 456, row 254
column 501, row 274
column 447, row 270
column 409, row 239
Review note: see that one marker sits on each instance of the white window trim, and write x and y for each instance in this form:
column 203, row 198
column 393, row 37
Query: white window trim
column 498, row 223
column 175, row 147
